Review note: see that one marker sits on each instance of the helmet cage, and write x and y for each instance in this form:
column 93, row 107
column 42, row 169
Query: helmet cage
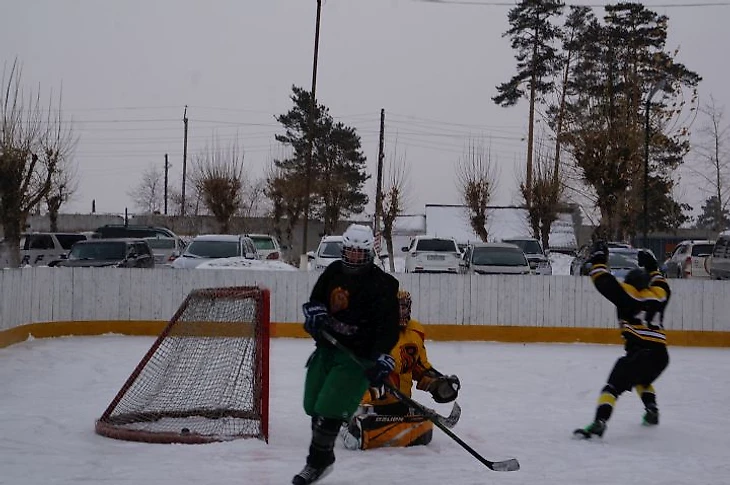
column 356, row 257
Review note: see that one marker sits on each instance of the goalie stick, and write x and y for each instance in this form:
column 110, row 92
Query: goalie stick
column 450, row 420
column 499, row 466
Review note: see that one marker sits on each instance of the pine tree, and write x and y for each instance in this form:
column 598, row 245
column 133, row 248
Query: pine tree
column 532, row 37
column 338, row 166
column 620, row 60
column 714, row 216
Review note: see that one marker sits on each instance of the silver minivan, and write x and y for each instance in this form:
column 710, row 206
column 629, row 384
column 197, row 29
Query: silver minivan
column 494, row 258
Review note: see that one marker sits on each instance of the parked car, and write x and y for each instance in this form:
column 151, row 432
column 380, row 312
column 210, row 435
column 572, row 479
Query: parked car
column 494, row 258
column 132, row 230
column 690, row 259
column 428, row 254
column 720, row 259
column 241, row 263
column 328, row 250
column 121, row 253
column 621, row 260
column 41, row 248
column 618, row 244
column 267, row 246
column 536, row 256
column 213, row 246
column 165, row 249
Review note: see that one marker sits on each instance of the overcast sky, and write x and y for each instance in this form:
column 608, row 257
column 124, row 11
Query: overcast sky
column 128, row 69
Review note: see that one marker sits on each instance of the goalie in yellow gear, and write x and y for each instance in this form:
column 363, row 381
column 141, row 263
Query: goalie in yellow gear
column 382, row 419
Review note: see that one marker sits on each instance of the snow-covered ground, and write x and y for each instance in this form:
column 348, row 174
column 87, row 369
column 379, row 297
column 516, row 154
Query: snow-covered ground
column 518, row 401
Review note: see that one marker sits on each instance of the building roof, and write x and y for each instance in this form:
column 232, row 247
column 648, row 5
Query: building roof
column 502, row 222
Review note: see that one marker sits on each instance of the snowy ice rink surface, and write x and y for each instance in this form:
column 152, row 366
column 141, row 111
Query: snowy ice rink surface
column 518, row 401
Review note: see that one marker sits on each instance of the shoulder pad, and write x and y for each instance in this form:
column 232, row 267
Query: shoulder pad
column 416, row 326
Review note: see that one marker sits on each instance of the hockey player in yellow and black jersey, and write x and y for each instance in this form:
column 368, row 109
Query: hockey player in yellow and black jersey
column 640, row 302
column 385, row 421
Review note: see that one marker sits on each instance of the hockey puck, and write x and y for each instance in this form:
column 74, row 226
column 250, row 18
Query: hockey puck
column 185, row 431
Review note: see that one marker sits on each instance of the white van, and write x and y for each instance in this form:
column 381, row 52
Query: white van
column 40, row 248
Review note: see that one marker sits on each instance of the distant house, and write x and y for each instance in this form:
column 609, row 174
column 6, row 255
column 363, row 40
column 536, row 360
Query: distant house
column 442, row 220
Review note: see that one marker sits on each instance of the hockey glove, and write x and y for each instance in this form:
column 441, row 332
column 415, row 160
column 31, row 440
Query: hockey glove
column 647, row 261
column 445, row 389
column 599, row 253
column 315, row 317
column 378, row 374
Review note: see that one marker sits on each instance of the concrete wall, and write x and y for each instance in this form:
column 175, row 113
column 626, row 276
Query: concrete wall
column 191, row 225
column 531, row 303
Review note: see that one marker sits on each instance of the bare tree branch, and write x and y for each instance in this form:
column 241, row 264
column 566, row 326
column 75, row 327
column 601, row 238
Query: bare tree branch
column 476, row 177
column 35, row 142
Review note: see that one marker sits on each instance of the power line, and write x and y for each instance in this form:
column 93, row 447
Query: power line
column 592, row 5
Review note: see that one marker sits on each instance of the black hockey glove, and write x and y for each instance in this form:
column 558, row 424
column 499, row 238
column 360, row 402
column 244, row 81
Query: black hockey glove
column 378, row 374
column 648, row 261
column 599, row 253
column 315, row 317
column 445, row 389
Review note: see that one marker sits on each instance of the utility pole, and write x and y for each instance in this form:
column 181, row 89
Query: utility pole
column 167, row 168
column 379, row 187
column 185, row 160
column 303, row 261
column 658, row 86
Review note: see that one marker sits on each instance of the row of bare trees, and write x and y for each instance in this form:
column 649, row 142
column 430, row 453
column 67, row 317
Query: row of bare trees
column 36, row 148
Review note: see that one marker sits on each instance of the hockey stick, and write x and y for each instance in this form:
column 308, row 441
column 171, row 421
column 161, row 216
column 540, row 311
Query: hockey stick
column 453, row 417
column 500, row 466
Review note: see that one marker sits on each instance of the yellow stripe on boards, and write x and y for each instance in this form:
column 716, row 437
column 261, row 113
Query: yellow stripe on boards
column 438, row 332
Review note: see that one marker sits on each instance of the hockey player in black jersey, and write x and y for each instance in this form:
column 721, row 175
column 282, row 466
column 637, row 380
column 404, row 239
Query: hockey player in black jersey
column 355, row 302
column 640, row 302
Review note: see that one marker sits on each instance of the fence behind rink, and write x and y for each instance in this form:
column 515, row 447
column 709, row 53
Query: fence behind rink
column 457, row 307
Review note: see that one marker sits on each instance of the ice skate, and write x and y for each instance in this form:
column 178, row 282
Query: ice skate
column 596, row 428
column 310, row 474
column 651, row 416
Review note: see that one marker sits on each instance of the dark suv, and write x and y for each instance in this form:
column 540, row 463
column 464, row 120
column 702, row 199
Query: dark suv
column 120, row 253
column 132, row 231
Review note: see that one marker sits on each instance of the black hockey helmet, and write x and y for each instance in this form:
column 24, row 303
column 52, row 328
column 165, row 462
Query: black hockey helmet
column 638, row 278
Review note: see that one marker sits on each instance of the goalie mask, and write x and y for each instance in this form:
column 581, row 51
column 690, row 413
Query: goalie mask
column 357, row 248
column 404, row 304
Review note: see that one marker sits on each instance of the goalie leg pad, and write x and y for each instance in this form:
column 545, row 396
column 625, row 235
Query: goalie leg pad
column 381, row 431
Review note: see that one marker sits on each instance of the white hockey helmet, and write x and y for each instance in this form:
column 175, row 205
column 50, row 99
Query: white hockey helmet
column 357, row 247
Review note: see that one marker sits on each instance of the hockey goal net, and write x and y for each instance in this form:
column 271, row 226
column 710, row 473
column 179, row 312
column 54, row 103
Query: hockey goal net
column 204, row 379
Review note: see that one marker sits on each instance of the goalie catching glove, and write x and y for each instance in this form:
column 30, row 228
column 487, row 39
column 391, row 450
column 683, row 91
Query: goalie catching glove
column 442, row 388
column 445, row 389
column 315, row 317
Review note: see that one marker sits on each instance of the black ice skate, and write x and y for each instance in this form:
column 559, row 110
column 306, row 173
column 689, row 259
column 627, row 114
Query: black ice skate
column 310, row 474
column 651, row 416
column 596, row 428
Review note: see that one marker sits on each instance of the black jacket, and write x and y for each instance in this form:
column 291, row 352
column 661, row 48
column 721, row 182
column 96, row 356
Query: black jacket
column 364, row 307
column 640, row 312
